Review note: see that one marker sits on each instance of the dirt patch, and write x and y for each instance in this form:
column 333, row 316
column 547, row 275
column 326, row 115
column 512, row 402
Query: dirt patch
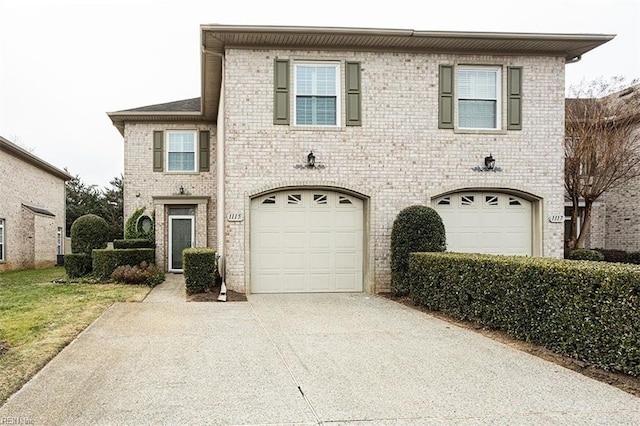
column 4, row 347
column 212, row 296
column 621, row 381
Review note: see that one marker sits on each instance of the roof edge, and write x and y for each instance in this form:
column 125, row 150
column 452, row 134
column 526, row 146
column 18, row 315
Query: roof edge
column 28, row 157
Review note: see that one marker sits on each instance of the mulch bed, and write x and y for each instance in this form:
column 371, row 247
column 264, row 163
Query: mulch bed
column 621, row 381
column 212, row 296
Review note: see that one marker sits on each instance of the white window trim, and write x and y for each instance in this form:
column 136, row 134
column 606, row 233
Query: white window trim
column 499, row 83
column 196, row 149
column 4, row 240
column 337, row 67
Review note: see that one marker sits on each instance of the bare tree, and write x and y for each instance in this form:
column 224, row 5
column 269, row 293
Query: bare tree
column 602, row 145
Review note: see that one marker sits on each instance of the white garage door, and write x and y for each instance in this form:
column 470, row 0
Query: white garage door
column 306, row 241
column 486, row 222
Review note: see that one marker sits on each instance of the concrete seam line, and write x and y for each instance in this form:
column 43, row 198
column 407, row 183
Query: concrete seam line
column 284, row 361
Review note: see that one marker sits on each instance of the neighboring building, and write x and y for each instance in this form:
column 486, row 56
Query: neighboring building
column 32, row 209
column 615, row 221
column 392, row 118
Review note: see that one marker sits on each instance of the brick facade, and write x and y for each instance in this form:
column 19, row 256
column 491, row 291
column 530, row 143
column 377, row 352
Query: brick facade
column 398, row 157
column 30, row 238
column 158, row 191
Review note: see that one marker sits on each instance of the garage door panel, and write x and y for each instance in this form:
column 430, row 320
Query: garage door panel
column 486, row 223
column 344, row 282
column 306, row 241
column 293, row 240
column 347, row 240
column 319, row 240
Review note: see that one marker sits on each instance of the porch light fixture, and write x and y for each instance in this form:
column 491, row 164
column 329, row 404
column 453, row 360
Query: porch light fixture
column 490, row 162
column 489, row 165
column 181, row 190
column 311, row 163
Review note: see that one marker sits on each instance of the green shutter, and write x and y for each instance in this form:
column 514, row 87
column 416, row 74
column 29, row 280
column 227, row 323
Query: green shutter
column 158, row 151
column 204, row 145
column 354, row 113
column 445, row 104
column 281, row 92
column 514, row 98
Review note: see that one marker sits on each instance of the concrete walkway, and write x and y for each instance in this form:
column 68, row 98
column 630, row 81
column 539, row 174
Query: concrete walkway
column 301, row 359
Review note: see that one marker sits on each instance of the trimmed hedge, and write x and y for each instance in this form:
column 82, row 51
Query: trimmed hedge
column 586, row 254
column 107, row 260
column 634, row 257
column 89, row 232
column 199, row 269
column 613, row 255
column 77, row 265
column 585, row 310
column 133, row 243
column 416, row 229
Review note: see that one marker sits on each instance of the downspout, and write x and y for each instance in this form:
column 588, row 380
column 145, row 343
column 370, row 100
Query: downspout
column 220, row 202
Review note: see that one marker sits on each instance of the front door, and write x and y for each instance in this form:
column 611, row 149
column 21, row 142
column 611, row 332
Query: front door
column 181, row 236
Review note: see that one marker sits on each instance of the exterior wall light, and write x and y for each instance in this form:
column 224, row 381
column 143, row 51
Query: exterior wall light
column 311, row 163
column 181, row 190
column 489, row 165
column 490, row 162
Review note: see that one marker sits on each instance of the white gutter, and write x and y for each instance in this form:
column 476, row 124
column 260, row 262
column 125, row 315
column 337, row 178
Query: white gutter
column 220, row 203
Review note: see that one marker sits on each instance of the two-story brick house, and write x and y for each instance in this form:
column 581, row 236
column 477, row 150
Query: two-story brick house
column 32, row 209
column 306, row 143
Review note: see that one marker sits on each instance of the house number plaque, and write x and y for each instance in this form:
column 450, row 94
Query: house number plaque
column 235, row 217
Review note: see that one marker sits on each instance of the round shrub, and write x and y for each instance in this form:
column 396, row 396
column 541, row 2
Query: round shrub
column 416, row 229
column 586, row 254
column 634, row 257
column 89, row 232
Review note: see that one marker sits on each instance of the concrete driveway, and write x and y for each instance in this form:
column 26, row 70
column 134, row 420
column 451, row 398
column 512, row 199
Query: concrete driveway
column 301, row 359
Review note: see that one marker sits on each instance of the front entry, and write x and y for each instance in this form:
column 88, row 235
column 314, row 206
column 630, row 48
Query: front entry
column 181, row 236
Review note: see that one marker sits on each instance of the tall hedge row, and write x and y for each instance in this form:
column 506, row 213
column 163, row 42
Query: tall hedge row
column 587, row 310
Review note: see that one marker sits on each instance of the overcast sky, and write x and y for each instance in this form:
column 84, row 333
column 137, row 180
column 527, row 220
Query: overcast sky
column 65, row 63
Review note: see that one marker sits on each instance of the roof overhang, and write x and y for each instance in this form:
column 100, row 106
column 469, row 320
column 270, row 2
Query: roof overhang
column 215, row 39
column 27, row 157
column 121, row 117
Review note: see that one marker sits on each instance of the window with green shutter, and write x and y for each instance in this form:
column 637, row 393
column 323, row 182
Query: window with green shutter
column 471, row 97
column 352, row 88
column 514, row 98
column 158, row 151
column 281, row 92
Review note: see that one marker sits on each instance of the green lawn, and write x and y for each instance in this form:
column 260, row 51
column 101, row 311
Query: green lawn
column 38, row 318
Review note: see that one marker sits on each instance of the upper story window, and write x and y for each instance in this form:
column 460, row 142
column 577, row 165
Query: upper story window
column 185, row 151
column 1, row 240
column 319, row 95
column 181, row 151
column 478, row 96
column 473, row 98
column 317, row 86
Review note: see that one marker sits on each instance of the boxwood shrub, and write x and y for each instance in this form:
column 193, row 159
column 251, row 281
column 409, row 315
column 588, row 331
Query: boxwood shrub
column 133, row 243
column 199, row 265
column 634, row 257
column 77, row 265
column 89, row 232
column 416, row 229
column 613, row 255
column 586, row 254
column 105, row 261
column 585, row 310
